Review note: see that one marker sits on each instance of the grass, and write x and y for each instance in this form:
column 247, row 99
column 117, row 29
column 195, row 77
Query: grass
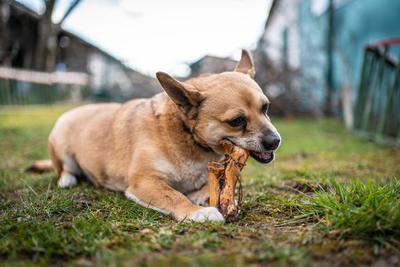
column 367, row 210
column 329, row 199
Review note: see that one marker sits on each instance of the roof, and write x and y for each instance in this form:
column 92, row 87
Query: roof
column 24, row 9
column 74, row 36
column 271, row 12
column 197, row 62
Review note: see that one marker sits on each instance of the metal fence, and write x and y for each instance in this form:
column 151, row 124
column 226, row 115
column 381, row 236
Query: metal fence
column 377, row 109
column 21, row 87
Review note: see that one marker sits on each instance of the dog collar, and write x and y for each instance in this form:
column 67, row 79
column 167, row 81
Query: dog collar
column 206, row 148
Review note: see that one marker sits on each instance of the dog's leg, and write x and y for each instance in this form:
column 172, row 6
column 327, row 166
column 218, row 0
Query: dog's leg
column 67, row 180
column 153, row 192
column 201, row 196
column 69, row 170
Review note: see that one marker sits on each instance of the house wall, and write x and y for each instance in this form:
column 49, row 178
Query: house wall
column 356, row 24
column 18, row 37
column 108, row 75
column 313, row 29
column 72, row 54
column 285, row 17
column 109, row 78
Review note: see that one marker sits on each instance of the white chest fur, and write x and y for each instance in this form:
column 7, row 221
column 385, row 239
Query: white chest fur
column 185, row 177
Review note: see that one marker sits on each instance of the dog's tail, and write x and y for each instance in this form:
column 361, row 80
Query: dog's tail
column 40, row 166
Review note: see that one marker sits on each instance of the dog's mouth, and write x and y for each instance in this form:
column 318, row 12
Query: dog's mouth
column 262, row 157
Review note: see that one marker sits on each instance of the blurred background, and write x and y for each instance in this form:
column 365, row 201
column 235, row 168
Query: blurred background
column 314, row 58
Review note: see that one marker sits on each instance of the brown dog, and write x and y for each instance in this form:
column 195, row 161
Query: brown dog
column 156, row 150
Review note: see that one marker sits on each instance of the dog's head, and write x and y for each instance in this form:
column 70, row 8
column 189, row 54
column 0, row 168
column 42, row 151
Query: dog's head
column 229, row 105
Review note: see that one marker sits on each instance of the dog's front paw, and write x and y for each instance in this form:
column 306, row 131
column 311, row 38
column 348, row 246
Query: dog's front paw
column 199, row 199
column 206, row 214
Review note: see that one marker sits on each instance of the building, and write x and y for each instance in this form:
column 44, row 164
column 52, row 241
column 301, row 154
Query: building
column 320, row 47
column 109, row 77
column 211, row 64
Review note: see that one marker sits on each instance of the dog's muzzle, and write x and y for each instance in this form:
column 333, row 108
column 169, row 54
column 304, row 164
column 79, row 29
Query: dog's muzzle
column 263, row 157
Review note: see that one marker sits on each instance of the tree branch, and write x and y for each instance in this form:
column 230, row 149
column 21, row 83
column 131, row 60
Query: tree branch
column 69, row 11
column 49, row 7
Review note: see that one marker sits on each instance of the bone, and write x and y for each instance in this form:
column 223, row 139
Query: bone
column 223, row 178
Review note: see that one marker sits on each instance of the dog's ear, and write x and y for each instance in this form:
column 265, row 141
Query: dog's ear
column 246, row 64
column 184, row 95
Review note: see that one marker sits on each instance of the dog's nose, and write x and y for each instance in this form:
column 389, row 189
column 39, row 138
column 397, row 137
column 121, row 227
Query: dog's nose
column 271, row 142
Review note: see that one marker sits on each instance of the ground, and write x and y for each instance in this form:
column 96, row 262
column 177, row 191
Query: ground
column 329, row 199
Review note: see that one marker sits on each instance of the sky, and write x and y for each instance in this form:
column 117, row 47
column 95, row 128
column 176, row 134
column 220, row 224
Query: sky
column 161, row 35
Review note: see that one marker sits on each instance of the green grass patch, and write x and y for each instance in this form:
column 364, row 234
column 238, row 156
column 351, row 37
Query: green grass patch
column 292, row 215
column 368, row 210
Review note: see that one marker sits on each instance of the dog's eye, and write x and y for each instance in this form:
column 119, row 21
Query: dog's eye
column 265, row 108
column 239, row 121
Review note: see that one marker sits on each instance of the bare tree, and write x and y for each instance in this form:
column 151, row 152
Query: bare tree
column 47, row 35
